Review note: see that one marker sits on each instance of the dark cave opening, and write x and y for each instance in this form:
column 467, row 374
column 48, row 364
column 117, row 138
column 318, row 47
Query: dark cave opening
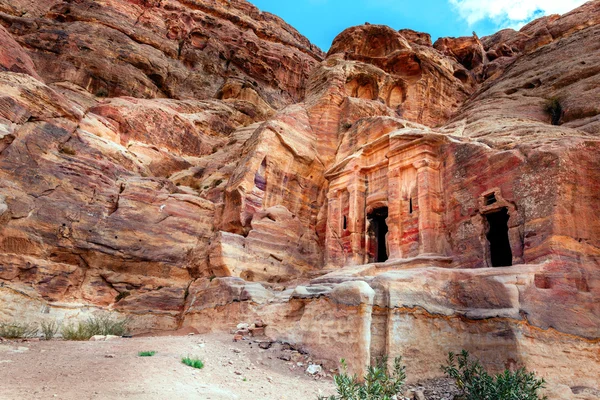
column 379, row 229
column 497, row 236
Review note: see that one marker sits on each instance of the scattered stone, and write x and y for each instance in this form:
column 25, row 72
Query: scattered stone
column 109, row 356
column 103, row 338
column 313, row 369
column 242, row 326
column 297, row 357
column 264, row 345
column 419, row 395
column 256, row 331
column 433, row 389
column 284, row 357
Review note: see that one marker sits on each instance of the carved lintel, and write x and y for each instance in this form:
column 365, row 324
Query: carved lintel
column 427, row 162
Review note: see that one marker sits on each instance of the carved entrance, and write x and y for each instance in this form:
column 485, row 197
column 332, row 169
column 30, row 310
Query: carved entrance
column 497, row 236
column 377, row 235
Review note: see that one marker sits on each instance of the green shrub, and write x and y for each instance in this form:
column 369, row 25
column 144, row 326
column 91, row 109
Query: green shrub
column 379, row 383
column 193, row 362
column 101, row 92
column 49, row 329
column 15, row 330
column 122, row 295
column 79, row 331
column 553, row 107
column 147, row 353
column 96, row 325
column 105, row 324
column 477, row 384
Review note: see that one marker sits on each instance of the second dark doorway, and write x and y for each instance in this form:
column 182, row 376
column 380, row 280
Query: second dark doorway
column 378, row 229
column 497, row 236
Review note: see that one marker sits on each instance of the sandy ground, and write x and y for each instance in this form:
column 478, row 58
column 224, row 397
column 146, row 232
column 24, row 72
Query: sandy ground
column 112, row 370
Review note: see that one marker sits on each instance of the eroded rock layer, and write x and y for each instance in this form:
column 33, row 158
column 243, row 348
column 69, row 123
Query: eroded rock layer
column 200, row 163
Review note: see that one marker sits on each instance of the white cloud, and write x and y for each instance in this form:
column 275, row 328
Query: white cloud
column 511, row 13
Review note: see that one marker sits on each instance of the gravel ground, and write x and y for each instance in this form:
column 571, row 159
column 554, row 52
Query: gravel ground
column 56, row 369
column 112, row 370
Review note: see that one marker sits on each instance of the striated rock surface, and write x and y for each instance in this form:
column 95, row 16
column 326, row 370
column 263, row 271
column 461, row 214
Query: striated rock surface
column 176, row 49
column 200, row 164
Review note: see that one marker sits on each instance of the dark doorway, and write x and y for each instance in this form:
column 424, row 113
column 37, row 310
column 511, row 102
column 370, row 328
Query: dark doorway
column 377, row 231
column 497, row 236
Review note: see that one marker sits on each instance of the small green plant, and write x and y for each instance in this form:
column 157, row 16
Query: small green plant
column 553, row 107
column 49, row 329
column 476, row 384
column 122, row 295
column 103, row 324
column 346, row 126
column 147, row 353
column 78, row 331
column 101, row 92
column 192, row 362
column 379, row 384
column 16, row 330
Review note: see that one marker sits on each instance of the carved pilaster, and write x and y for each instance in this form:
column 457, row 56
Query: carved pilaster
column 430, row 217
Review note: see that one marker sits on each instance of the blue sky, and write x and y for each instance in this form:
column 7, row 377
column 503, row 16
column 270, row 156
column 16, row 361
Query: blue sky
column 321, row 20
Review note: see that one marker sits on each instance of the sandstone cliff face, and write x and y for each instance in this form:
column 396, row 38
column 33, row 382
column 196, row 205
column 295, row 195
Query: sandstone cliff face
column 176, row 49
column 199, row 163
column 88, row 215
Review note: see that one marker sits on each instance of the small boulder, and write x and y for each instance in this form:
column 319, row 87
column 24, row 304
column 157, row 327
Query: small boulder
column 257, row 331
column 313, row 369
column 264, row 345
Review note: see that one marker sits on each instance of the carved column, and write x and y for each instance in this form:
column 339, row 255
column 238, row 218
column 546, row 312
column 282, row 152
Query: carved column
column 394, row 219
column 356, row 217
column 430, row 216
column 333, row 232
